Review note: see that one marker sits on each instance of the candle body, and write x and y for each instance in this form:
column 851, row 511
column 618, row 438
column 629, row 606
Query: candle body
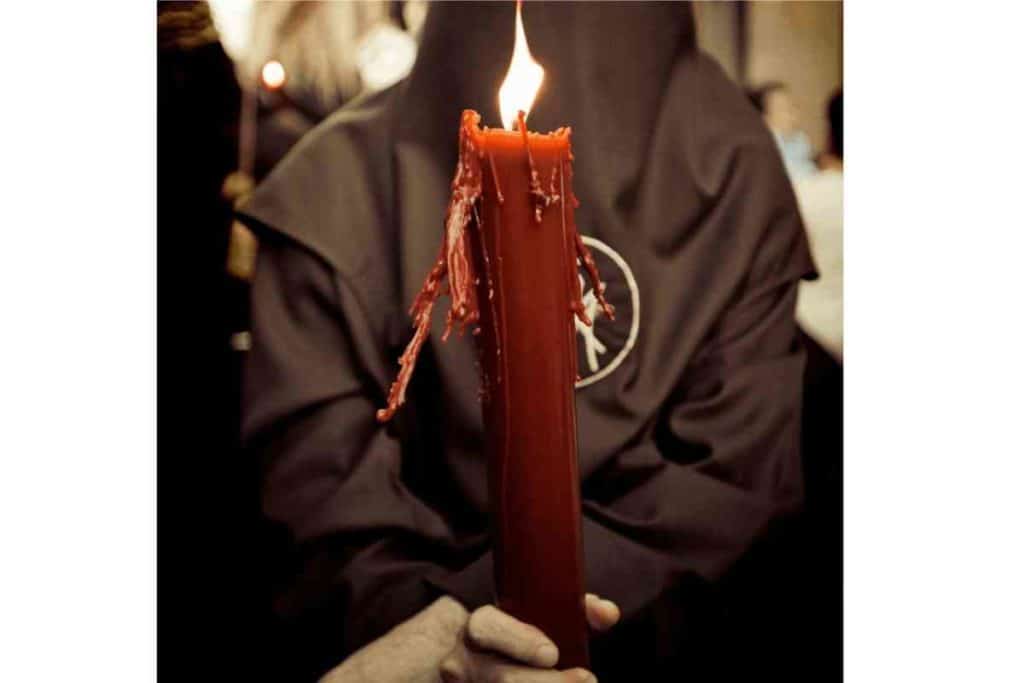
column 526, row 270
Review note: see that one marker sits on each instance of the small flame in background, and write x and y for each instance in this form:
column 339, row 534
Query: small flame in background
column 519, row 89
column 273, row 75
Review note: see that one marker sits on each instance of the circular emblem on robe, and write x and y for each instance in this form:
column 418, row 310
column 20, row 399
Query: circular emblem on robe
column 603, row 346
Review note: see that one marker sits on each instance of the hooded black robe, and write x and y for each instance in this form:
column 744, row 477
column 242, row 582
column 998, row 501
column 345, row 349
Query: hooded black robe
column 688, row 446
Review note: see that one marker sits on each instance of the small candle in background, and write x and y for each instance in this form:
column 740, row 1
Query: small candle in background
column 242, row 244
column 273, row 75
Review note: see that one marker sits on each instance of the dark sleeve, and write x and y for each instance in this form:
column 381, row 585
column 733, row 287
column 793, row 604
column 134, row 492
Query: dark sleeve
column 721, row 464
column 331, row 473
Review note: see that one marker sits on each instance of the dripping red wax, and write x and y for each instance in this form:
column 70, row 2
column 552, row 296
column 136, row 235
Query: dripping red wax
column 456, row 263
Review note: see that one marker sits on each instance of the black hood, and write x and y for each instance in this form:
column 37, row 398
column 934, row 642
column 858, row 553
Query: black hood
column 607, row 67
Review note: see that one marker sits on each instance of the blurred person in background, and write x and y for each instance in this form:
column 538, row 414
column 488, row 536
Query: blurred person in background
column 316, row 44
column 780, row 114
column 819, row 308
column 819, row 312
column 330, row 53
column 689, row 451
column 323, row 54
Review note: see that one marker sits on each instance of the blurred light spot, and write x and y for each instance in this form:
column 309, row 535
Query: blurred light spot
column 273, row 75
column 241, row 341
column 385, row 56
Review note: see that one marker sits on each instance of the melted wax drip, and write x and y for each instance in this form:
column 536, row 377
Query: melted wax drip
column 455, row 259
column 583, row 255
column 541, row 199
column 487, row 272
column 497, row 184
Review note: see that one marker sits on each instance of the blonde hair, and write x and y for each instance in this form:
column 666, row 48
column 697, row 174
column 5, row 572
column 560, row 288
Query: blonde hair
column 316, row 41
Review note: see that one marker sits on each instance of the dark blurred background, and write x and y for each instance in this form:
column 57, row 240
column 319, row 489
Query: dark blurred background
column 239, row 83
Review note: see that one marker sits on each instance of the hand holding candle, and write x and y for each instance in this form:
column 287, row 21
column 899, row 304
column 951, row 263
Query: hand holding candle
column 495, row 646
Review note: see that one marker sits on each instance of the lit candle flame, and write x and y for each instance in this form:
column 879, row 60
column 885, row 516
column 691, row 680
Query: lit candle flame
column 519, row 89
column 273, row 75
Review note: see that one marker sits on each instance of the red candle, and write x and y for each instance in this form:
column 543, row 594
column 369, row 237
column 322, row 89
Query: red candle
column 527, row 294
column 510, row 254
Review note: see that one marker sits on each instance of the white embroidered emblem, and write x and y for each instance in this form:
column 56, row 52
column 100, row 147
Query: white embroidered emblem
column 607, row 343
